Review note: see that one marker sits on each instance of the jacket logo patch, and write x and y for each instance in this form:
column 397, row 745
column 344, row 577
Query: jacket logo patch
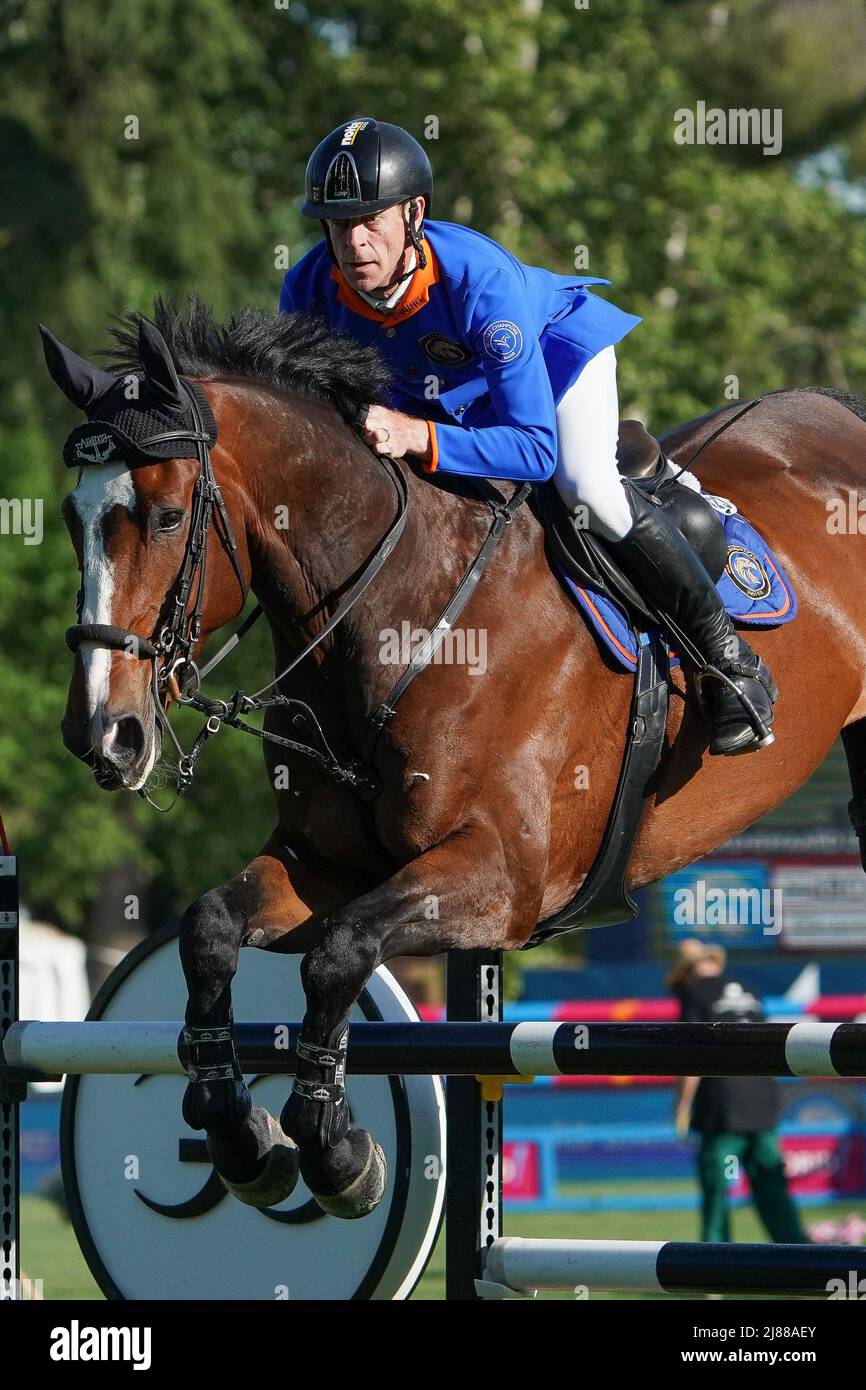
column 747, row 572
column 503, row 340
column 444, row 351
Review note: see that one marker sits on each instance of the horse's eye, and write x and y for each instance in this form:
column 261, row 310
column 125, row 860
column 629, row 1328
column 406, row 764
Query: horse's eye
column 169, row 520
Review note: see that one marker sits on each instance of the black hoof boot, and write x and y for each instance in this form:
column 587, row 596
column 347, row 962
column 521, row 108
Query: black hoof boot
column 253, row 1158
column 741, row 719
column 343, row 1167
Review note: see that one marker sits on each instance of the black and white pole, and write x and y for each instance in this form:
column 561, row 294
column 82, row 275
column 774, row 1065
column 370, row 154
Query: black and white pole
column 33, row 1050
column 520, row 1266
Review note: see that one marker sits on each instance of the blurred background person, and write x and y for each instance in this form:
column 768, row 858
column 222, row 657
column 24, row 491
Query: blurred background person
column 735, row 1117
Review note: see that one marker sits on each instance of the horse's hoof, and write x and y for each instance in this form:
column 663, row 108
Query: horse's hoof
column 365, row 1191
column 278, row 1177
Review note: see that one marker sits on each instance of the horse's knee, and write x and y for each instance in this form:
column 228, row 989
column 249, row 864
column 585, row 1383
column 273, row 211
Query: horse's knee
column 210, row 937
column 209, row 917
column 343, row 958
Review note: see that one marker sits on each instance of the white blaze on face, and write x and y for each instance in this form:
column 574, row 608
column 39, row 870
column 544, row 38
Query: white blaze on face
column 100, row 488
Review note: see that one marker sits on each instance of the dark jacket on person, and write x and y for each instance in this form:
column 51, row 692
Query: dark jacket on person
column 728, row 1104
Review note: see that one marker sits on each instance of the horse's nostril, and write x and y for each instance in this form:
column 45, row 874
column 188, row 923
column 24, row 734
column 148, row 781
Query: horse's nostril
column 77, row 737
column 129, row 736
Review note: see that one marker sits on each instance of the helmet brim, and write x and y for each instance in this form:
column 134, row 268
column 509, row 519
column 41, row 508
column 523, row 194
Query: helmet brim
column 347, row 211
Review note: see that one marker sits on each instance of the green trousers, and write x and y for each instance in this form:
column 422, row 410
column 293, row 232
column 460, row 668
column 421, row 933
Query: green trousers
column 760, row 1157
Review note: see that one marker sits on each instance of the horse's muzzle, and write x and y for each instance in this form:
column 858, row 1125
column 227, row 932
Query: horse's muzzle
column 114, row 745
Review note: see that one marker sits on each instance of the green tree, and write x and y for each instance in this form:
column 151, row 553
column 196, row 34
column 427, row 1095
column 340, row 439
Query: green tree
column 162, row 148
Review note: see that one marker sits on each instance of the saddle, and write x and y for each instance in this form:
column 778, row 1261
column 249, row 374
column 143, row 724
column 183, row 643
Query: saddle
column 602, row 899
column 586, row 557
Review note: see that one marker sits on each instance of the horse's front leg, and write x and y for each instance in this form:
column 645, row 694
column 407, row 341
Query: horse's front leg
column 253, row 1157
column 458, row 895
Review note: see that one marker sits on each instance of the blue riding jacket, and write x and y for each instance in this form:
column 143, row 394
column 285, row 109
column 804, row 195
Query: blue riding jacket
column 480, row 345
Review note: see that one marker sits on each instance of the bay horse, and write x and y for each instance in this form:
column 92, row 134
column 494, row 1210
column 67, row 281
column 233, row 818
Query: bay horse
column 494, row 785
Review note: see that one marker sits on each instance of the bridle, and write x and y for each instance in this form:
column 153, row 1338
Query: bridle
column 176, row 675
column 180, row 633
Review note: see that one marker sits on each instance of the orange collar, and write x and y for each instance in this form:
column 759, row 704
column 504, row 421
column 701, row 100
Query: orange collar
column 415, row 297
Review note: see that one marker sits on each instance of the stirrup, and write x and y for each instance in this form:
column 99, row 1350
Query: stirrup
column 763, row 734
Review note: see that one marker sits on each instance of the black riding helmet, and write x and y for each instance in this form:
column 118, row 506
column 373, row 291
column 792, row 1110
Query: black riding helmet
column 363, row 167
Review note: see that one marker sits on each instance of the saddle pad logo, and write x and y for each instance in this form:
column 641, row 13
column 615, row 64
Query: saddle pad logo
column 503, row 340
column 748, row 572
column 444, row 351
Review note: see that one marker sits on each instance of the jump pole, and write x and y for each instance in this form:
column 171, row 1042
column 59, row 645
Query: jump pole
column 34, row 1050
column 517, row 1266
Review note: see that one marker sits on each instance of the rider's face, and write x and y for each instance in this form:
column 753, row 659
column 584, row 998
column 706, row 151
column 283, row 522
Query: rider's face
column 370, row 250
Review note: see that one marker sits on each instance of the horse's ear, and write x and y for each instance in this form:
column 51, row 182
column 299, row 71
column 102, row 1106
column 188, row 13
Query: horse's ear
column 158, row 367
column 80, row 382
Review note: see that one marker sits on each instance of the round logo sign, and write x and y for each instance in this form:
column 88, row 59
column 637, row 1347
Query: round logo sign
column 503, row 340
column 149, row 1211
column 748, row 572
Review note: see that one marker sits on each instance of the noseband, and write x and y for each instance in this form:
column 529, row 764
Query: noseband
column 175, row 674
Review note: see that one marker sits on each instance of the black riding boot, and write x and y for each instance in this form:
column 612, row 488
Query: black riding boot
column 662, row 564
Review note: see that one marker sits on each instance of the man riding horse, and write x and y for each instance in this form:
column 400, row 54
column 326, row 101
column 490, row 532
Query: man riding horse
column 414, row 817
column 504, row 371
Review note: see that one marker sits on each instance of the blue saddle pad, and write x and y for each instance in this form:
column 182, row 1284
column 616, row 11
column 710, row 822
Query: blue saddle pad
column 754, row 589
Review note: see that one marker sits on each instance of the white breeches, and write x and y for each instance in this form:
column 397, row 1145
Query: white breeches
column 587, row 420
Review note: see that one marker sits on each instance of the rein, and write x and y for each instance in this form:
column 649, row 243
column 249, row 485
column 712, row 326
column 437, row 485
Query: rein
column 714, row 434
column 176, row 675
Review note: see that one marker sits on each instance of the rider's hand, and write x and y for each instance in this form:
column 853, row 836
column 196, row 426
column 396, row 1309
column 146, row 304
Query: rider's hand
column 390, row 432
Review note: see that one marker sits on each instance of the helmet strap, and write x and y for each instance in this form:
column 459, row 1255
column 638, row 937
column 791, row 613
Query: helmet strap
column 412, row 239
column 414, row 236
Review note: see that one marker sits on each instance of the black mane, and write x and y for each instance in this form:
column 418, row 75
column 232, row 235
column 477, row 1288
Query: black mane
column 850, row 399
column 298, row 351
